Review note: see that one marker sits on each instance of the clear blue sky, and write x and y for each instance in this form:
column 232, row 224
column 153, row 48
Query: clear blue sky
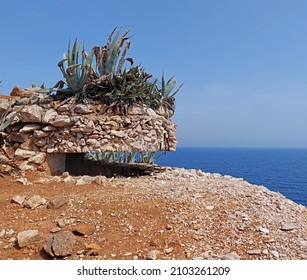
column 243, row 63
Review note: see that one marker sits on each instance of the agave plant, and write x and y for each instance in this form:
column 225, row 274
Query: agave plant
column 112, row 157
column 101, row 76
column 76, row 67
column 167, row 88
column 147, row 157
column 111, row 58
column 123, row 157
column 75, row 73
column 167, row 93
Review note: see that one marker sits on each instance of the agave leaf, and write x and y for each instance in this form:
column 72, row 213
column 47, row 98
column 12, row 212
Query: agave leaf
column 68, row 56
column 130, row 60
column 110, row 38
column 90, row 56
column 6, row 123
column 113, row 52
column 70, row 69
column 87, row 67
column 45, row 90
column 163, row 84
column 169, row 86
column 62, row 68
column 62, row 61
column 122, row 59
column 176, row 91
column 84, row 53
column 114, row 40
column 123, row 38
column 74, row 54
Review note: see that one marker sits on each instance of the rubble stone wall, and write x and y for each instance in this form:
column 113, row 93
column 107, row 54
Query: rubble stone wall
column 43, row 126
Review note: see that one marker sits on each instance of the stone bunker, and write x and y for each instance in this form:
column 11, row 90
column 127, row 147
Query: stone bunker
column 53, row 136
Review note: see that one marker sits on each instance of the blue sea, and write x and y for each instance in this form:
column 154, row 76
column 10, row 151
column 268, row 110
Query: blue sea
column 279, row 169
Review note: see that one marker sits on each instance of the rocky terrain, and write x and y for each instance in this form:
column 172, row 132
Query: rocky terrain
column 174, row 214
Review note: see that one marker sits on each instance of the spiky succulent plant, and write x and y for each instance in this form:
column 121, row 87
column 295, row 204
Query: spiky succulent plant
column 111, row 57
column 124, row 157
column 101, row 76
column 76, row 67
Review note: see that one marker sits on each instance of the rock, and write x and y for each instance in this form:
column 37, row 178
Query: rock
column 26, row 237
column 34, row 96
column 22, row 180
column 31, row 114
column 209, row 207
column 82, row 129
column 83, row 109
column 60, row 244
column 41, row 142
column 17, row 137
column 99, row 212
column 114, row 124
column 64, row 108
column 151, row 113
column 4, row 105
column 40, row 134
column 39, row 158
column 275, row 253
column 152, row 255
column 119, row 134
column 61, row 223
column 16, row 91
column 254, row 252
column 168, row 250
column 35, row 201
column 24, row 154
column 92, row 249
column 268, row 239
column 136, row 110
column 10, row 232
column 29, row 128
column 49, row 115
column 84, row 180
column 200, row 173
column 65, row 174
column 55, row 230
column 231, row 256
column 57, row 202
column 49, row 128
column 198, row 258
column 264, row 230
column 101, row 180
column 85, row 229
column 19, row 199
column 61, row 121
column 69, row 180
column 46, row 100
column 93, row 142
column 287, row 227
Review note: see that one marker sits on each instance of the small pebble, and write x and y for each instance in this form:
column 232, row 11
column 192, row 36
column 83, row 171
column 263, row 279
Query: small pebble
column 254, row 252
column 152, row 255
